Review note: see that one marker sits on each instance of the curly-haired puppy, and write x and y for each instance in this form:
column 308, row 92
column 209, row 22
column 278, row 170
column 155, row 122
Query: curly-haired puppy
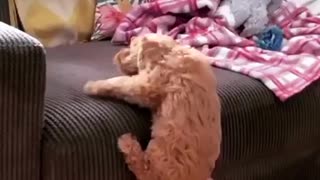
column 177, row 83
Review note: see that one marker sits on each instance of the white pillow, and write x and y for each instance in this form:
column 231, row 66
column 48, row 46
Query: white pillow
column 313, row 5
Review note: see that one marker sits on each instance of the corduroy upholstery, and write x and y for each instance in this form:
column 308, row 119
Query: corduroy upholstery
column 22, row 85
column 263, row 138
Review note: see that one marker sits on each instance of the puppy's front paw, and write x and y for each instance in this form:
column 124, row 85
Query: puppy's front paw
column 127, row 143
column 90, row 88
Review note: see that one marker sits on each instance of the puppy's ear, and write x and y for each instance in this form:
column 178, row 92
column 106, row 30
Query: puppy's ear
column 126, row 64
column 121, row 55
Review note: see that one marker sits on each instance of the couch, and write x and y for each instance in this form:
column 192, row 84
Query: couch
column 50, row 130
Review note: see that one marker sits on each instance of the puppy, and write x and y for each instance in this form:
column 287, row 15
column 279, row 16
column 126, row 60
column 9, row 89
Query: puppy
column 177, row 83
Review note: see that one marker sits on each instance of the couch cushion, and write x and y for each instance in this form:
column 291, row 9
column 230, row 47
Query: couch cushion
column 80, row 132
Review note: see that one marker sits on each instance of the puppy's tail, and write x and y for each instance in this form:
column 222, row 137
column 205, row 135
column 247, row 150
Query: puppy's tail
column 134, row 156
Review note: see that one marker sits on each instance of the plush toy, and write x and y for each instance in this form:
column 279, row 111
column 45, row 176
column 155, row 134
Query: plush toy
column 252, row 14
column 271, row 38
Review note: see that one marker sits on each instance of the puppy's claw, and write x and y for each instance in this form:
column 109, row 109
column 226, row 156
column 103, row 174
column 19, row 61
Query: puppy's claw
column 90, row 89
column 127, row 143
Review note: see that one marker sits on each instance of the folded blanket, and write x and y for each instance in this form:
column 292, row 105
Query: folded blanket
column 194, row 22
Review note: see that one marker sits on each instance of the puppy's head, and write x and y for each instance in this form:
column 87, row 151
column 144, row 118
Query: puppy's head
column 144, row 52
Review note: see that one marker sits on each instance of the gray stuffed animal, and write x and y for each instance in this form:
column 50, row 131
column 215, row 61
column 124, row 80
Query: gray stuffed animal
column 252, row 14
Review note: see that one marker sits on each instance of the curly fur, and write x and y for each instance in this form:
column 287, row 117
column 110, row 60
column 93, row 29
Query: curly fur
column 177, row 83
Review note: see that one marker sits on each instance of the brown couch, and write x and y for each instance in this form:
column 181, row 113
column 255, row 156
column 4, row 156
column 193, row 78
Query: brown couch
column 50, row 130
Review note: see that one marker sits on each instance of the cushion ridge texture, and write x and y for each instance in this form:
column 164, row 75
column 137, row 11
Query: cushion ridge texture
column 22, row 88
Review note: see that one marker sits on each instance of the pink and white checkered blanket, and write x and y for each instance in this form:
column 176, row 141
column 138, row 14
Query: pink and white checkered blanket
column 194, row 22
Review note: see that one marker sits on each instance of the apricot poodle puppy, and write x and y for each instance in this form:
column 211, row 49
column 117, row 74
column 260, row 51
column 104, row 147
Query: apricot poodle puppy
column 177, row 83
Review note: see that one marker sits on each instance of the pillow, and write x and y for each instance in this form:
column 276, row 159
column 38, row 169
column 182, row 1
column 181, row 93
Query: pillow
column 109, row 14
column 57, row 22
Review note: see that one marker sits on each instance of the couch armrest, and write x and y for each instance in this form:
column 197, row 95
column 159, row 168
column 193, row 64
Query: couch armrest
column 4, row 11
column 22, row 87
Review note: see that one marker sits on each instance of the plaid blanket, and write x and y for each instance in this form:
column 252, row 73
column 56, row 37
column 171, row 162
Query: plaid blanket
column 194, row 22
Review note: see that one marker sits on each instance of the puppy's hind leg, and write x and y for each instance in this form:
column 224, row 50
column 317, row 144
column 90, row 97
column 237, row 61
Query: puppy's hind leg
column 134, row 156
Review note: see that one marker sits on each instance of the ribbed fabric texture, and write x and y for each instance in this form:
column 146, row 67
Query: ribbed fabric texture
column 263, row 138
column 4, row 11
column 81, row 137
column 22, row 82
